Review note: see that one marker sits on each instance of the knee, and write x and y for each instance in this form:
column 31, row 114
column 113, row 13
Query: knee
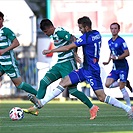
column 107, row 85
column 101, row 99
column 64, row 82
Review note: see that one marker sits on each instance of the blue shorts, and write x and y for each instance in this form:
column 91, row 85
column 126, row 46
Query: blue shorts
column 118, row 74
column 92, row 76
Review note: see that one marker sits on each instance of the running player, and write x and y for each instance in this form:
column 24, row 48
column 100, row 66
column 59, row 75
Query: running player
column 65, row 64
column 118, row 53
column 91, row 43
column 8, row 62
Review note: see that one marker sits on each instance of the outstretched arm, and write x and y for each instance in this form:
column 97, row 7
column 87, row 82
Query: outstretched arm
column 61, row 49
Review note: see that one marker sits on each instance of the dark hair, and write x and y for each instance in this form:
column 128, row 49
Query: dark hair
column 116, row 24
column 85, row 21
column 45, row 23
column 1, row 15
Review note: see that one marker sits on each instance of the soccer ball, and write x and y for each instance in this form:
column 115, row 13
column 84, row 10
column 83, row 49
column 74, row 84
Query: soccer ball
column 16, row 113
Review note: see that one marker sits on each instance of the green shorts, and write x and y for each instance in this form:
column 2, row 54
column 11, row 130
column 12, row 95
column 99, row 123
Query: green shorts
column 11, row 70
column 60, row 70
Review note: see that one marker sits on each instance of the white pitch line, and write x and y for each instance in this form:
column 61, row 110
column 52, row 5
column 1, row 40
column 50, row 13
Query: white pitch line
column 67, row 116
column 68, row 125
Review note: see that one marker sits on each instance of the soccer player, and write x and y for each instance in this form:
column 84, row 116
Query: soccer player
column 8, row 62
column 91, row 43
column 118, row 53
column 65, row 64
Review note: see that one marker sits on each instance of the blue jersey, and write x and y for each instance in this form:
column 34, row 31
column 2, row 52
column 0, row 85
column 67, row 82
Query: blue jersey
column 117, row 48
column 91, row 43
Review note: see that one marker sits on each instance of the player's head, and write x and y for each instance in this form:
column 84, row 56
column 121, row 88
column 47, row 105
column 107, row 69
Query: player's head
column 1, row 19
column 1, row 15
column 47, row 27
column 114, row 28
column 84, row 24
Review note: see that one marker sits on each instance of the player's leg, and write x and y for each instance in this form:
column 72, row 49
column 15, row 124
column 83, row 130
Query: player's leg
column 113, row 101
column 65, row 82
column 52, row 75
column 111, row 80
column 66, row 68
column 82, row 97
column 123, row 79
column 24, row 86
column 1, row 73
column 13, row 72
column 54, row 93
column 128, row 85
column 98, row 89
column 60, row 88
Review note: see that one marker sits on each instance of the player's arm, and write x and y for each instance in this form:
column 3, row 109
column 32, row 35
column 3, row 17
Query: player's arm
column 124, row 55
column 77, row 58
column 14, row 44
column 73, row 39
column 61, row 49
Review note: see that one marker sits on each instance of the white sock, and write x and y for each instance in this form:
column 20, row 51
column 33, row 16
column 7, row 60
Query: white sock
column 116, row 103
column 114, row 84
column 58, row 90
column 126, row 96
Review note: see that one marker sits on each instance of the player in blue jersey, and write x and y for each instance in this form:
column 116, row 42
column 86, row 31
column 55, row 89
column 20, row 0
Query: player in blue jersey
column 91, row 43
column 8, row 61
column 118, row 53
column 65, row 64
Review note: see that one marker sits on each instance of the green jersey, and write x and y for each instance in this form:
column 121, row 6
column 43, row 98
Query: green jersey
column 6, row 38
column 61, row 37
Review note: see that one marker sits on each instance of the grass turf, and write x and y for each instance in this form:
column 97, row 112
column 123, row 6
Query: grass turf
column 65, row 117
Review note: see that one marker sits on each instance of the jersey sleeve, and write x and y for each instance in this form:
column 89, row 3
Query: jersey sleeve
column 64, row 35
column 10, row 35
column 124, row 45
column 81, row 41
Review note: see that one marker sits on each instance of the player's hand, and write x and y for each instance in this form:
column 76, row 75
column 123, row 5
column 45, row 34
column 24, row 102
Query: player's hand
column 44, row 52
column 77, row 58
column 2, row 52
column 105, row 63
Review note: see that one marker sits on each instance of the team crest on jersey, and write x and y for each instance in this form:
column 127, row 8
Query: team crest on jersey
column 66, row 36
column 116, row 45
column 79, row 40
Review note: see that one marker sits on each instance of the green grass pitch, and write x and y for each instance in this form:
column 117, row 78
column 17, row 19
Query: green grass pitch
column 65, row 117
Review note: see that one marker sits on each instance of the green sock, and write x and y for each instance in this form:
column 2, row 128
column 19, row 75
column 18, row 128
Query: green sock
column 28, row 88
column 42, row 88
column 81, row 96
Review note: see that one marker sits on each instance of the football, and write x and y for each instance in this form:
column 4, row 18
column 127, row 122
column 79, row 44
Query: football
column 16, row 113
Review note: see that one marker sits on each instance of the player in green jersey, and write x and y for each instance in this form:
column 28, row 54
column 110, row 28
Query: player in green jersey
column 8, row 62
column 65, row 64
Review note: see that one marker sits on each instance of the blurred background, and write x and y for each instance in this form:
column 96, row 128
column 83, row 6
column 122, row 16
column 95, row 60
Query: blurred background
column 23, row 17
